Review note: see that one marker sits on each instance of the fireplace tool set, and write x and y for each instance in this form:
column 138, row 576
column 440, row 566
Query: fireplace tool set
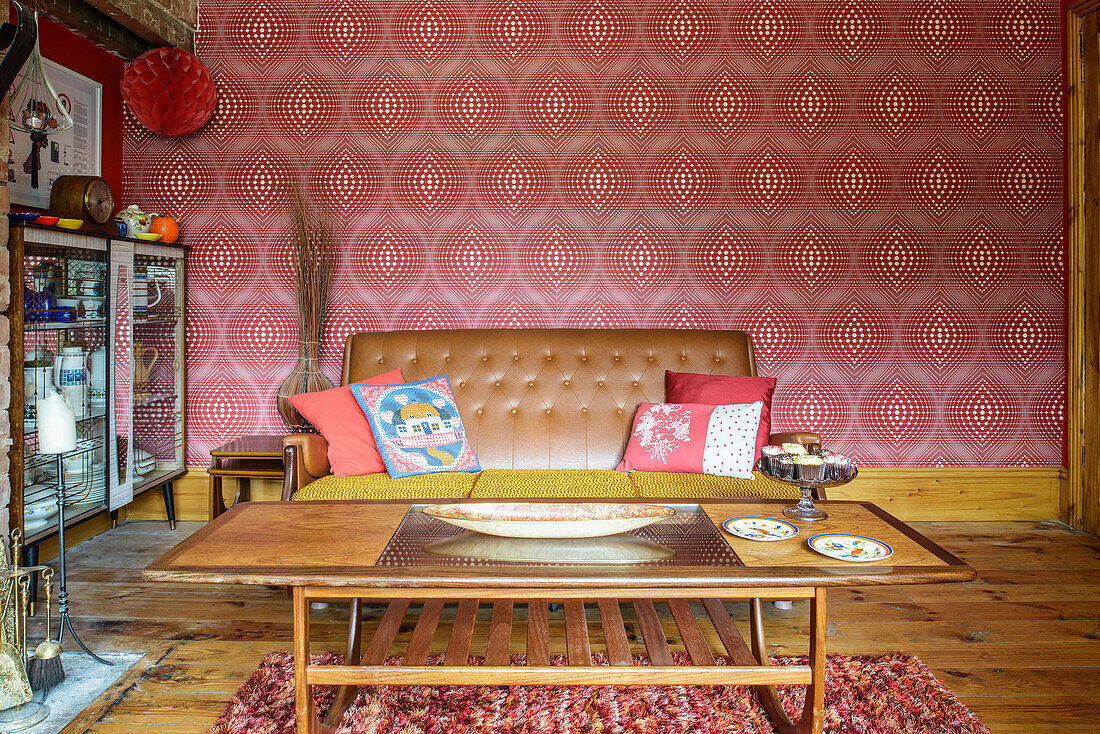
column 17, row 710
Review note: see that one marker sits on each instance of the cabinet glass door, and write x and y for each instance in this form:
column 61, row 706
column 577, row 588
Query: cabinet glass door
column 157, row 353
column 121, row 387
column 64, row 335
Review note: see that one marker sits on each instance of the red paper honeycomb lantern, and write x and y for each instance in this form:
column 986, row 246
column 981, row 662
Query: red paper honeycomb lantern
column 169, row 91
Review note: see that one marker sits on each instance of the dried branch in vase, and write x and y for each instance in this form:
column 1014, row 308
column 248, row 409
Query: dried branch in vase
column 314, row 260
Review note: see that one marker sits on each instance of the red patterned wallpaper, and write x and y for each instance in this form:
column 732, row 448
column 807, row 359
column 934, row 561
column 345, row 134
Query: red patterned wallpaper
column 872, row 188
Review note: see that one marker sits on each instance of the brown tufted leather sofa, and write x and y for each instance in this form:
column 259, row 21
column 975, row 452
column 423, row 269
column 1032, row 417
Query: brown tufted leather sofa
column 537, row 398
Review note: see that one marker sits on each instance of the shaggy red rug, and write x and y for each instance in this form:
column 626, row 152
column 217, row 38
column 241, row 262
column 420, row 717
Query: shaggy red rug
column 891, row 694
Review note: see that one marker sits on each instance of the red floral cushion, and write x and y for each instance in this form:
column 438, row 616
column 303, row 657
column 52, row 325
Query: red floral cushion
column 700, row 439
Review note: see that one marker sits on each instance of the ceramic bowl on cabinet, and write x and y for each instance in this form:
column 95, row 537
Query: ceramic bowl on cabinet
column 38, row 515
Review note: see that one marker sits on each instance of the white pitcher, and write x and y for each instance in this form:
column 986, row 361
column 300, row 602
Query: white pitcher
column 70, row 375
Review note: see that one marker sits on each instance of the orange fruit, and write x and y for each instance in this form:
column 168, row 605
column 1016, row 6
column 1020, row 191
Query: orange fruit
column 166, row 227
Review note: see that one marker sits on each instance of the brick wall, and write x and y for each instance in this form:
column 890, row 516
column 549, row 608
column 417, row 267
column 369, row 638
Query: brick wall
column 5, row 353
column 128, row 28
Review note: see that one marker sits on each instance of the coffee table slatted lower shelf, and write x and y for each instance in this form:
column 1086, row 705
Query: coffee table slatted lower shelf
column 579, row 667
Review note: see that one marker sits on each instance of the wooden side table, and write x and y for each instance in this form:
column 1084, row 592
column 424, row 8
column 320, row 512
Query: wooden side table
column 248, row 457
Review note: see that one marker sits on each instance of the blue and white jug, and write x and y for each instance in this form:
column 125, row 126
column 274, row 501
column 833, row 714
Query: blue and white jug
column 70, row 375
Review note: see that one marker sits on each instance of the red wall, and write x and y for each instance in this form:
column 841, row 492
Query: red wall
column 82, row 56
column 873, row 189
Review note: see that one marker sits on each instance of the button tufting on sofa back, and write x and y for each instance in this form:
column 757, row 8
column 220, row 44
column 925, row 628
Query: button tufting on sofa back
column 549, row 398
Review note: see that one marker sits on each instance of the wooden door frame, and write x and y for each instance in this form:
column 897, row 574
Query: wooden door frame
column 1080, row 505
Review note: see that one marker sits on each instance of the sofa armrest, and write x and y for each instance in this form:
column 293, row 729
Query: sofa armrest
column 305, row 458
column 803, row 437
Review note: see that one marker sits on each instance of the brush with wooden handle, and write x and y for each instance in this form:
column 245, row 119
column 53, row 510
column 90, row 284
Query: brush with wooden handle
column 44, row 669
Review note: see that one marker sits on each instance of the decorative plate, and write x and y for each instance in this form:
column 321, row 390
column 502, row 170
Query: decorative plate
column 848, row 547
column 759, row 528
column 545, row 520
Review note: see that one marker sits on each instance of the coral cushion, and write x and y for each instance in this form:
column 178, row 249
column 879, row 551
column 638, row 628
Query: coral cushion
column 689, row 387
column 704, row 439
column 352, row 449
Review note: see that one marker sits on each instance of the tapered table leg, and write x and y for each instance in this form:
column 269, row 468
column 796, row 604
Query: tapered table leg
column 769, row 695
column 244, row 490
column 813, row 711
column 345, row 695
column 303, row 700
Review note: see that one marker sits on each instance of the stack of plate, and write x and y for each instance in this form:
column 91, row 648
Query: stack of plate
column 42, row 489
column 81, row 487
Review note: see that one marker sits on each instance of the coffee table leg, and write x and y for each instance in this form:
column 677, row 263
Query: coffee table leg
column 345, row 695
column 303, row 700
column 813, row 712
column 769, row 695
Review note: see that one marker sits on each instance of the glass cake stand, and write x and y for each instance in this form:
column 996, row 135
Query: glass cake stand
column 805, row 509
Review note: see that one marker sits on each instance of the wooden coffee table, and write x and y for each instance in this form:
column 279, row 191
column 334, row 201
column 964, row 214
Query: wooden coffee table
column 333, row 551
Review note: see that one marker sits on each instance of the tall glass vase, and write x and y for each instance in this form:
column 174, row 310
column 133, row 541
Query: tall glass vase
column 305, row 377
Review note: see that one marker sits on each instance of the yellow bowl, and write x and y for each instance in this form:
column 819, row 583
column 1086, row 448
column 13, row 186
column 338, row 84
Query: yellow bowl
column 151, row 236
column 70, row 223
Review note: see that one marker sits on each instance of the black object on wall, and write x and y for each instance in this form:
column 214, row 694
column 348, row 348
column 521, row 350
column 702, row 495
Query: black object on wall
column 17, row 39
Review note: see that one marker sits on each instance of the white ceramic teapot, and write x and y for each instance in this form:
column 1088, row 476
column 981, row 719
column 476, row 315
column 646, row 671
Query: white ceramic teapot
column 136, row 220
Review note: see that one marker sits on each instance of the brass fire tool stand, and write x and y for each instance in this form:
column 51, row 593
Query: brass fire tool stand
column 63, row 595
column 17, row 710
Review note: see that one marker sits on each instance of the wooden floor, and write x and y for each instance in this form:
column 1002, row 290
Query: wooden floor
column 1020, row 646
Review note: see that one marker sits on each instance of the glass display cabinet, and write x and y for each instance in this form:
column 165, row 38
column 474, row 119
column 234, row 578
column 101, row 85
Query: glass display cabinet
column 101, row 319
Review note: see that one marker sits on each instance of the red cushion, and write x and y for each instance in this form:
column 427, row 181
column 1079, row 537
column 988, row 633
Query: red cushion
column 695, row 439
column 689, row 387
column 352, row 449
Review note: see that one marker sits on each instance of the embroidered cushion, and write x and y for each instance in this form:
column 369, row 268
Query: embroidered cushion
column 352, row 449
column 703, row 439
column 690, row 387
column 440, row 486
column 417, row 427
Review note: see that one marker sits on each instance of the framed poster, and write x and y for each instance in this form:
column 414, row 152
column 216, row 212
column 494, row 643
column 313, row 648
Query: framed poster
column 73, row 151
